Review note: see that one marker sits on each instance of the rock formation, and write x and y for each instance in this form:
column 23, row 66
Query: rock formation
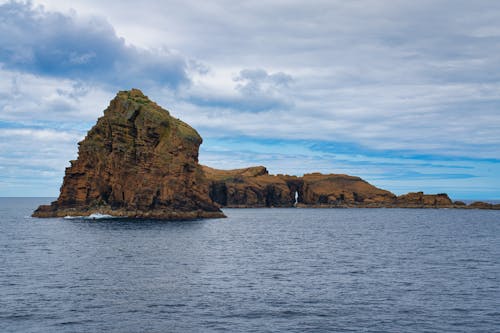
column 255, row 187
column 421, row 200
column 484, row 205
column 251, row 187
column 137, row 161
column 335, row 190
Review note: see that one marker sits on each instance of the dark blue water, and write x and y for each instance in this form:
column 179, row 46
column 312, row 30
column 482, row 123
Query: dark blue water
column 259, row 270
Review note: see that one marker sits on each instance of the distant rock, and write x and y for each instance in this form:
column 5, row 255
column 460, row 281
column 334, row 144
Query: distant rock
column 255, row 187
column 421, row 200
column 250, row 187
column 137, row 161
column 483, row 205
column 337, row 190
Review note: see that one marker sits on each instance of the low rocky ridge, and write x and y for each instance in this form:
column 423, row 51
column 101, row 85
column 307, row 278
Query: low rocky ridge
column 255, row 187
column 137, row 161
column 251, row 187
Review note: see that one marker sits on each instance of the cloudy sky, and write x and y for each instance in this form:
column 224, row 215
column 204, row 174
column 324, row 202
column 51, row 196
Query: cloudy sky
column 403, row 93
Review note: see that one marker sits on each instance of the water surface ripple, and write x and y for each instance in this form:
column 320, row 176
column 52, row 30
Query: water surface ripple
column 259, row 270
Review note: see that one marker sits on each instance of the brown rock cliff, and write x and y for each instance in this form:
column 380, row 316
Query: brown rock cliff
column 137, row 161
column 336, row 190
column 419, row 199
column 255, row 187
column 250, row 187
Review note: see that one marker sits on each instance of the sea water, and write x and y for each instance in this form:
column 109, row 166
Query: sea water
column 258, row 270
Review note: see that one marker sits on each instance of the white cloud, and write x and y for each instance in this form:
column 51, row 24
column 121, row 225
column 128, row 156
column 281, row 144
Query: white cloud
column 33, row 160
column 31, row 98
column 39, row 136
column 52, row 44
column 387, row 76
column 414, row 76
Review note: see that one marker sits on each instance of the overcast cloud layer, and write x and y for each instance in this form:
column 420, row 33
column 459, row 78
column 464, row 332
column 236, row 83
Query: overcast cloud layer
column 405, row 94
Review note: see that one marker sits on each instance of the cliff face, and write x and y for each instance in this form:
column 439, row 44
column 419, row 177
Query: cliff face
column 342, row 191
column 255, row 187
column 250, row 187
column 419, row 199
column 137, row 161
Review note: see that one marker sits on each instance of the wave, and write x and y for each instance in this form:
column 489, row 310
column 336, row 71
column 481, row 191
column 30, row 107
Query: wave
column 95, row 216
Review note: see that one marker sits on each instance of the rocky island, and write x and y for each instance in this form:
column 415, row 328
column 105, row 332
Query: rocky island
column 255, row 187
column 139, row 161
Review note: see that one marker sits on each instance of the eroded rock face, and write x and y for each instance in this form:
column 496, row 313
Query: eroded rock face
column 336, row 190
column 249, row 187
column 419, row 199
column 255, row 187
column 137, row 161
column 483, row 205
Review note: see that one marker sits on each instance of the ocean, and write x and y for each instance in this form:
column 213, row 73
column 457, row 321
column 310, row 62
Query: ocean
column 258, row 270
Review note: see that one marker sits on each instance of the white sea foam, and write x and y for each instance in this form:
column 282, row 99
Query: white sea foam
column 95, row 216
column 98, row 216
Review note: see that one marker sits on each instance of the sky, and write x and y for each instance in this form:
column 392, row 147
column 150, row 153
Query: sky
column 403, row 93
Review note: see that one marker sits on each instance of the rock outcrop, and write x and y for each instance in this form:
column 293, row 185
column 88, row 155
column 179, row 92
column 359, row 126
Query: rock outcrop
column 255, row 187
column 334, row 190
column 483, row 205
column 421, row 200
column 137, row 161
column 251, row 187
